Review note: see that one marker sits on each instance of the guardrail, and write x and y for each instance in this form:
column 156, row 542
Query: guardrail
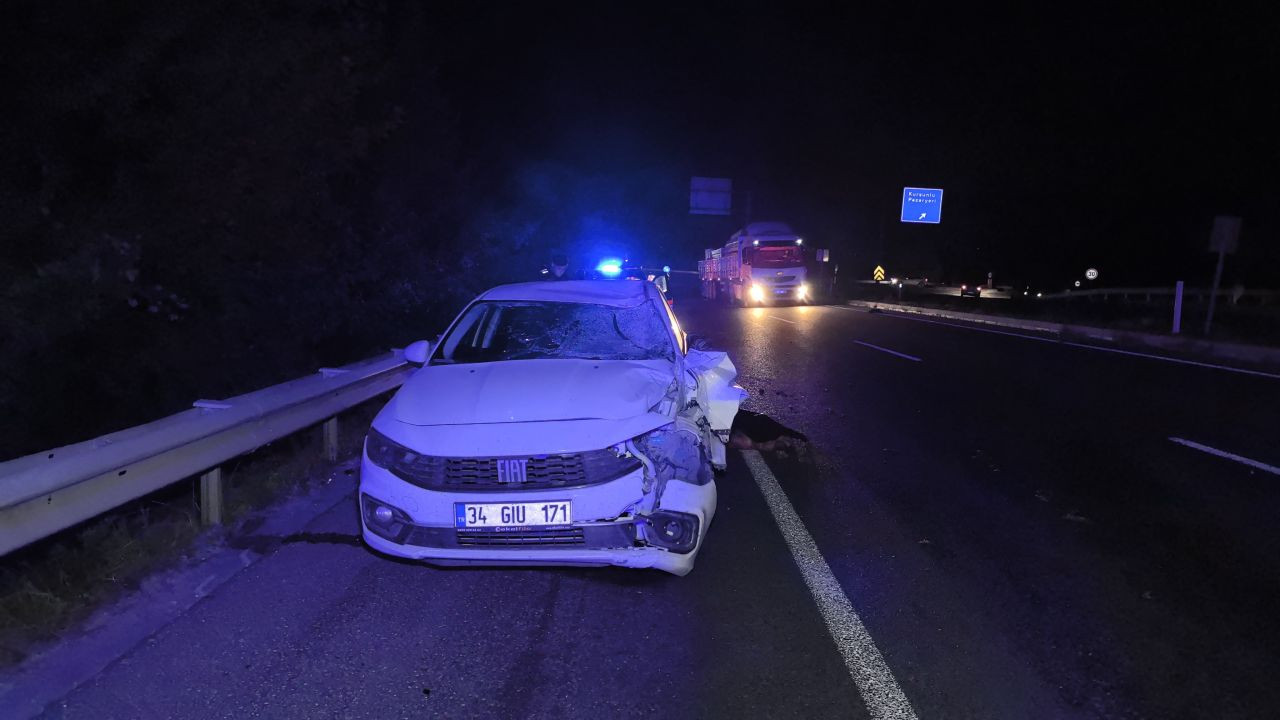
column 49, row 491
column 1147, row 293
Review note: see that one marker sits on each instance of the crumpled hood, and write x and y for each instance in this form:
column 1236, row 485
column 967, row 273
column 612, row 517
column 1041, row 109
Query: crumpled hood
column 532, row 391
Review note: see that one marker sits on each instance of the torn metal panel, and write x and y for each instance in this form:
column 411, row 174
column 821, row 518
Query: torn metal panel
column 673, row 452
column 716, row 393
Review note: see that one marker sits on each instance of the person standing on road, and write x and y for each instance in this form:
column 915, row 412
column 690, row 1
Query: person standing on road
column 558, row 269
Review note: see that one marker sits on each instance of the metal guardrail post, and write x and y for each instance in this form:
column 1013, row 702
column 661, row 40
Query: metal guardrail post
column 211, row 497
column 1177, row 308
column 331, row 439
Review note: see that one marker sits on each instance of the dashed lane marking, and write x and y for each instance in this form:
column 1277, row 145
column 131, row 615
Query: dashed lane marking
column 1228, row 455
column 887, row 350
column 879, row 689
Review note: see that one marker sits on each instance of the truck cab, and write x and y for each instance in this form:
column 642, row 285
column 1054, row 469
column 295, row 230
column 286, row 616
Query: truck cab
column 765, row 265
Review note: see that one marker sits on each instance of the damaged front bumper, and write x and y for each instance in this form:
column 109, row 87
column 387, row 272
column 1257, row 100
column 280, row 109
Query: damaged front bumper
column 613, row 530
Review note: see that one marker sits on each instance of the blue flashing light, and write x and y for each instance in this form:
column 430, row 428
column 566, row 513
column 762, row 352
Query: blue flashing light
column 666, row 269
column 610, row 267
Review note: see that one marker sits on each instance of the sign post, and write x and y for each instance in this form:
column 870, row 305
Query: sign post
column 922, row 205
column 1224, row 238
column 1177, row 308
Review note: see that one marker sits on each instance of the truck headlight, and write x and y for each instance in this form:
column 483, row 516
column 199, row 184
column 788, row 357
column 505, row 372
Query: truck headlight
column 757, row 293
column 802, row 290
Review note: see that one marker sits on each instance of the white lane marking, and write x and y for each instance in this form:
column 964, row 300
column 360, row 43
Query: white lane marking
column 1179, row 361
column 880, row 691
column 775, row 317
column 1230, row 456
column 1165, row 358
column 887, row 350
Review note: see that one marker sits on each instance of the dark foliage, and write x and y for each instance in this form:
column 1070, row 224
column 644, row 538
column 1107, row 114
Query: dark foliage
column 204, row 198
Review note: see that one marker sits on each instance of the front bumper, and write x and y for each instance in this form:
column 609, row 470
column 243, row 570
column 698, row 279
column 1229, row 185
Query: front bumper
column 595, row 538
column 780, row 294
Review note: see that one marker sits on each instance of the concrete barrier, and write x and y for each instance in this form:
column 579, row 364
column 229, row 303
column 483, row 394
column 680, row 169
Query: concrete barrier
column 1130, row 339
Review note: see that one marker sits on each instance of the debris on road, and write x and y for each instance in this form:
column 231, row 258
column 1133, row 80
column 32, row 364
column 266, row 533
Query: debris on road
column 752, row 430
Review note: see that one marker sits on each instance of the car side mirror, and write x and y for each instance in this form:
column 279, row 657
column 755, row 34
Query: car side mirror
column 418, row 352
column 696, row 342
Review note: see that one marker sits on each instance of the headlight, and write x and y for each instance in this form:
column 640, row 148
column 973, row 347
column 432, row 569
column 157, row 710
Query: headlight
column 385, row 452
column 757, row 293
column 802, row 290
column 675, row 531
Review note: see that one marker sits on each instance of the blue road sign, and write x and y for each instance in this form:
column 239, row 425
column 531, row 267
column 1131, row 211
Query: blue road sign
column 922, row 205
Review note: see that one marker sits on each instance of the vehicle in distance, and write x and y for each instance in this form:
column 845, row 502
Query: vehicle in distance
column 761, row 264
column 554, row 423
column 970, row 291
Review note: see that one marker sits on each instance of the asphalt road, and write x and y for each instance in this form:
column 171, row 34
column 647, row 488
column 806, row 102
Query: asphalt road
column 1007, row 517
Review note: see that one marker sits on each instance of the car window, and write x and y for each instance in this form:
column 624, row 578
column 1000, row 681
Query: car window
column 519, row 330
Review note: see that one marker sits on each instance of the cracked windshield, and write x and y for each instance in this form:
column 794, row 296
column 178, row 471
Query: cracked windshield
column 492, row 331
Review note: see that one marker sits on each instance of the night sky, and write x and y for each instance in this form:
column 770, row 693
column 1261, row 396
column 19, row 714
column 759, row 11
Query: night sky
column 1064, row 140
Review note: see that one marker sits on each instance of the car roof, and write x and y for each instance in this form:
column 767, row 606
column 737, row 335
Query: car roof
column 617, row 293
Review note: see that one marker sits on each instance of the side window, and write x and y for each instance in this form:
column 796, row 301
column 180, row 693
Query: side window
column 473, row 333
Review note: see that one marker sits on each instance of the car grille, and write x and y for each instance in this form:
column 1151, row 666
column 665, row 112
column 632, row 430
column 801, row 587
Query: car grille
column 784, row 278
column 541, row 471
column 566, row 536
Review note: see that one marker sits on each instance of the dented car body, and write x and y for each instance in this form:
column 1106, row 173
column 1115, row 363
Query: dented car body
column 562, row 423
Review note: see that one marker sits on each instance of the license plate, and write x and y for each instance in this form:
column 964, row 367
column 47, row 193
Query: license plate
column 781, row 291
column 502, row 516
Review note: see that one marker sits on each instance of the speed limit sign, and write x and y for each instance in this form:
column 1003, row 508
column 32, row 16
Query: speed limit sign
column 1091, row 273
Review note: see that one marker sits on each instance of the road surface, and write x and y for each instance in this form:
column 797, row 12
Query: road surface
column 1006, row 518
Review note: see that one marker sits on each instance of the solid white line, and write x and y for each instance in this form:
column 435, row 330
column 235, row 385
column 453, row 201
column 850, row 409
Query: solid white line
column 880, row 691
column 887, row 350
column 1165, row 358
column 1230, row 456
column 1179, row 361
column 775, row 317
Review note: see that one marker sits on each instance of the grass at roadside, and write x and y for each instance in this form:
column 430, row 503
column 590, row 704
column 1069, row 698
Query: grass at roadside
column 48, row 588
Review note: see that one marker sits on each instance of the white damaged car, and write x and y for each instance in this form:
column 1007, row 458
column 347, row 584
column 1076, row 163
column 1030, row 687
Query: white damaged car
column 554, row 423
